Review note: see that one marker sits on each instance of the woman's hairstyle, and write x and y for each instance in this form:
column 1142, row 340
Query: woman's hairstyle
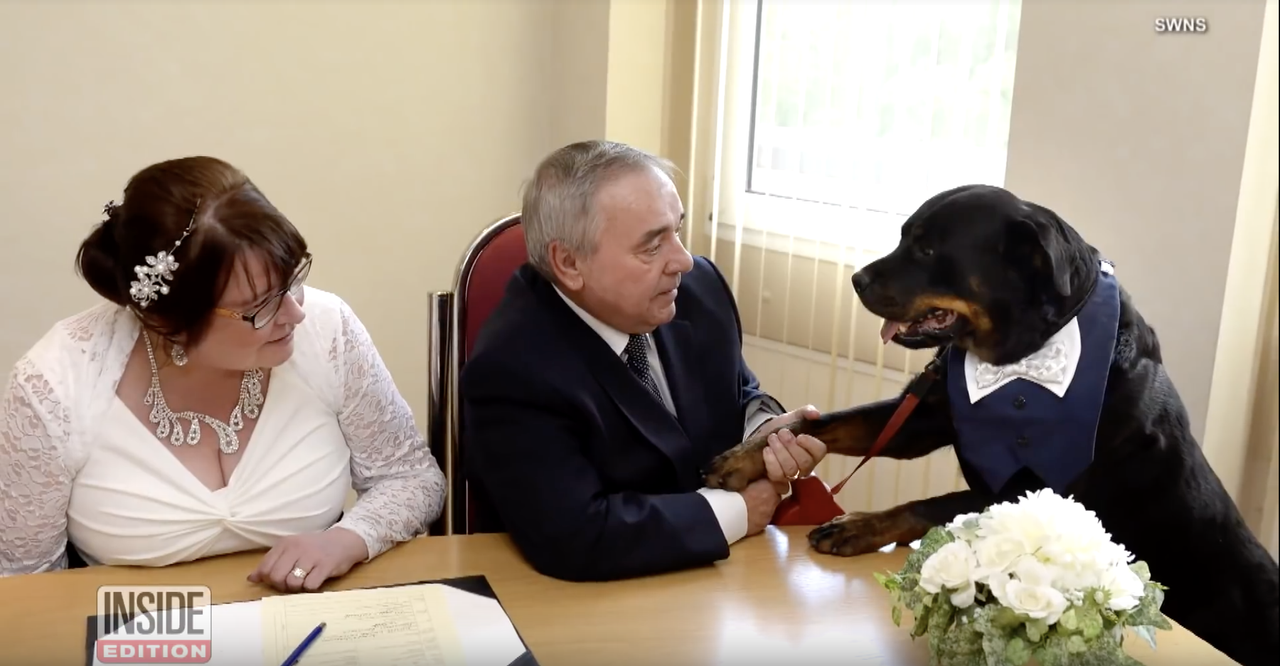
column 223, row 216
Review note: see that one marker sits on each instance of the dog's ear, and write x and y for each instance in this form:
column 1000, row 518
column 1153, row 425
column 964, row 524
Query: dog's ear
column 1042, row 232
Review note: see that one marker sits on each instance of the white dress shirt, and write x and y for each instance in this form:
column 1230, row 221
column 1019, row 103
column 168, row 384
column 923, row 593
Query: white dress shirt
column 730, row 508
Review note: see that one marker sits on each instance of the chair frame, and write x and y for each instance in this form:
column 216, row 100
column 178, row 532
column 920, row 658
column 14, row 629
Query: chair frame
column 445, row 337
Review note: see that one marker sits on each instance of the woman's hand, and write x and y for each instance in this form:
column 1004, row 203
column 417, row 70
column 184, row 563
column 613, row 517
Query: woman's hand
column 318, row 557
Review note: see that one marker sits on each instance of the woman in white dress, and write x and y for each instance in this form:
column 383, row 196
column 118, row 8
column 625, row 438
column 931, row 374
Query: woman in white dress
column 212, row 404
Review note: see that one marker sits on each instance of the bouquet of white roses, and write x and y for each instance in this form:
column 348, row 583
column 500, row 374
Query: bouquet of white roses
column 1037, row 579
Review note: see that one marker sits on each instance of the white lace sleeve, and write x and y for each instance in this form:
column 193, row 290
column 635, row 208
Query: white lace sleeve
column 35, row 484
column 400, row 488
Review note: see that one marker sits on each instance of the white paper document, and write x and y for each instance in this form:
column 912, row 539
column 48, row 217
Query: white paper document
column 426, row 624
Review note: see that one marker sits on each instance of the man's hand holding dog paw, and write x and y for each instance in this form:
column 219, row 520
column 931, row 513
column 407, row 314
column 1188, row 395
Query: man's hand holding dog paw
column 789, row 457
column 762, row 497
column 783, row 420
column 792, row 457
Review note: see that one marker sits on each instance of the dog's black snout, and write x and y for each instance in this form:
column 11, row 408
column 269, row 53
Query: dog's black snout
column 860, row 281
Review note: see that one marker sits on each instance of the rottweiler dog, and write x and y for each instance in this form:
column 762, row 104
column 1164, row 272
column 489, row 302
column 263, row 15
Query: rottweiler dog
column 991, row 281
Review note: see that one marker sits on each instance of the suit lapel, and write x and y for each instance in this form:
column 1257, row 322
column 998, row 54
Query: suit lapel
column 648, row 415
column 678, row 353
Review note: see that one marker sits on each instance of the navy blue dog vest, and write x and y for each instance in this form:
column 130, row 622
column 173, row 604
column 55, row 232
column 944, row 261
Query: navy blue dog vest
column 1021, row 423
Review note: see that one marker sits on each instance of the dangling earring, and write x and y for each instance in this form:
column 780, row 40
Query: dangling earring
column 179, row 355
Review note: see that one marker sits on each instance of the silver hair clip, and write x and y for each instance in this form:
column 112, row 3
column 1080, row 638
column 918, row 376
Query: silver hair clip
column 109, row 210
column 158, row 268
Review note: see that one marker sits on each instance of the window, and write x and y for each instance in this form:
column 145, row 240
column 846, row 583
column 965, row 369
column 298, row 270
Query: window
column 842, row 117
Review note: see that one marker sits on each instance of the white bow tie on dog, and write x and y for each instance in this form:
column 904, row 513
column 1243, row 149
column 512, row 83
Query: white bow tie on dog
column 1049, row 365
column 1053, row 366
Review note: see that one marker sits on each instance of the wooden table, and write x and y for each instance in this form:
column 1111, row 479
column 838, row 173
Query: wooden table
column 773, row 601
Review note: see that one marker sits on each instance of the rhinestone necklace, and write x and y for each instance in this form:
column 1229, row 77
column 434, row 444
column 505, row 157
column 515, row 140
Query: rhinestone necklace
column 249, row 405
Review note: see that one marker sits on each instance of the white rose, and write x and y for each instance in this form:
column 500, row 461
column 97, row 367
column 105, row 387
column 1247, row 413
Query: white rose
column 996, row 553
column 1076, row 574
column 1016, row 519
column 1061, row 532
column 951, row 568
column 1033, row 572
column 1123, row 586
column 1033, row 596
column 964, row 526
column 1081, row 556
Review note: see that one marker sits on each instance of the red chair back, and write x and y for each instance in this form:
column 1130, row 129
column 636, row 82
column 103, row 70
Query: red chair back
column 482, row 278
column 481, row 287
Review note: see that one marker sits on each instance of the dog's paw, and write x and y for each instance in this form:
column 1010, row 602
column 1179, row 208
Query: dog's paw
column 851, row 534
column 737, row 467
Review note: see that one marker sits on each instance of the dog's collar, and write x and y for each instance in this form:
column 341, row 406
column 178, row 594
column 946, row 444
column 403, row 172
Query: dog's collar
column 1104, row 266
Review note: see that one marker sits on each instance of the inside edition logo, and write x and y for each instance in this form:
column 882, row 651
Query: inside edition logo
column 154, row 624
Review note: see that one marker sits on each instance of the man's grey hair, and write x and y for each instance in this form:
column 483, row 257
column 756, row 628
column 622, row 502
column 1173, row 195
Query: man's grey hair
column 559, row 201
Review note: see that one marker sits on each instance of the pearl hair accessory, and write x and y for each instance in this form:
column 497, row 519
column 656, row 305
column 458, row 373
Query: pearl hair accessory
column 158, row 268
column 152, row 283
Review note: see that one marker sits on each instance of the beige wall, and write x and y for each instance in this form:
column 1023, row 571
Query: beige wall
column 391, row 133
column 1137, row 139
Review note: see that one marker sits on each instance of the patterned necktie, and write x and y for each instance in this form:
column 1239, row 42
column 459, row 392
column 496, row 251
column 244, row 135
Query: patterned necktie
column 637, row 353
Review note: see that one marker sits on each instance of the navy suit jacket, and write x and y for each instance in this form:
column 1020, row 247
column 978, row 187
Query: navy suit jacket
column 566, row 451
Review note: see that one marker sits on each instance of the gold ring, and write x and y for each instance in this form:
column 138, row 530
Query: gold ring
column 795, row 476
column 299, row 572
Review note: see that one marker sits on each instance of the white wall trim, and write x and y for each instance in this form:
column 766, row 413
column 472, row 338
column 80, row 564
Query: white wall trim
column 1242, row 329
column 707, row 120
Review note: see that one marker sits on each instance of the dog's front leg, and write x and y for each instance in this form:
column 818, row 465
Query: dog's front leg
column 845, row 432
column 848, row 432
column 860, row 533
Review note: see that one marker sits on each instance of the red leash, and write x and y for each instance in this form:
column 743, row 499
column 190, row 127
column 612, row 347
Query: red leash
column 915, row 392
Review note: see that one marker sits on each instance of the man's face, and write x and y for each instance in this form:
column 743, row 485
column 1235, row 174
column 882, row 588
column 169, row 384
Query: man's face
column 630, row 281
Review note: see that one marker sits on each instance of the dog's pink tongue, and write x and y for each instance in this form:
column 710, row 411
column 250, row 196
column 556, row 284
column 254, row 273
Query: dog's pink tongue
column 888, row 330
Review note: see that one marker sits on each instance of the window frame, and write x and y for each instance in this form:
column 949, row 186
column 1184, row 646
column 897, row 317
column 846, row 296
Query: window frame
column 754, row 218
column 832, row 232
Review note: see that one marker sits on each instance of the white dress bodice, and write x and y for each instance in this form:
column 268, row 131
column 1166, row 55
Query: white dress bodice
column 135, row 503
column 76, row 464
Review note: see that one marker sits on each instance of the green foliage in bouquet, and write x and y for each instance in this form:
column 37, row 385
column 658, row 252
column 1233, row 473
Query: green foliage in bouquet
column 985, row 632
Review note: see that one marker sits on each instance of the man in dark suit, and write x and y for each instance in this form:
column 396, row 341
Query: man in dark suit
column 609, row 374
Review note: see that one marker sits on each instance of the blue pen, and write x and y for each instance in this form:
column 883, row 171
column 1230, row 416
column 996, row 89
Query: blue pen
column 302, row 647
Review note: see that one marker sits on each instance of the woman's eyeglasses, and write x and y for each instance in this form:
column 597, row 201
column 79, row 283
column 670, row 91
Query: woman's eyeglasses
column 268, row 311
